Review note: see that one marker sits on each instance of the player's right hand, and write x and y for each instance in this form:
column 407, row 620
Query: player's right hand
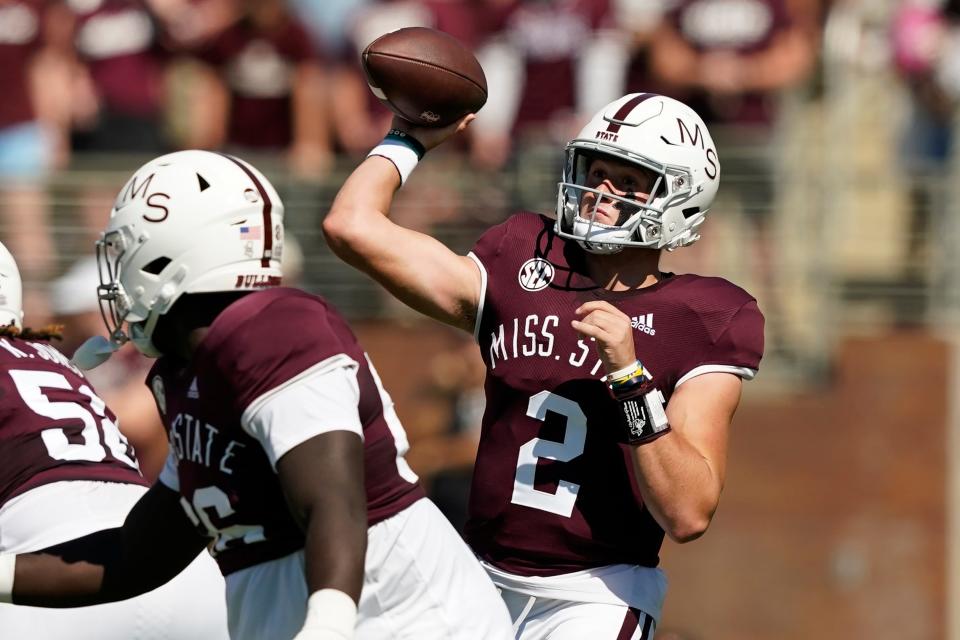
column 431, row 137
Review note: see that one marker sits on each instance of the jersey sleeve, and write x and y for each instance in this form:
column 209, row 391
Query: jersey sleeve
column 737, row 349
column 489, row 245
column 485, row 252
column 266, row 349
column 287, row 369
column 324, row 398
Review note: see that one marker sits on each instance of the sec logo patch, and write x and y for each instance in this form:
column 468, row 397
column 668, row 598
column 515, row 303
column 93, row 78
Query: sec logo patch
column 536, row 274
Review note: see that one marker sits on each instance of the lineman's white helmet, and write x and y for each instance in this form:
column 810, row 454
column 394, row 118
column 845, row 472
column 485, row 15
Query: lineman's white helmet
column 186, row 222
column 11, row 291
column 659, row 134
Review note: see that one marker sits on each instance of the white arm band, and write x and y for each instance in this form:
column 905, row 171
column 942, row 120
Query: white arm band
column 402, row 150
column 8, row 563
column 331, row 615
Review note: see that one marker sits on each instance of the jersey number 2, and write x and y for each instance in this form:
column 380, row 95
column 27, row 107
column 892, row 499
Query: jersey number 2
column 574, row 438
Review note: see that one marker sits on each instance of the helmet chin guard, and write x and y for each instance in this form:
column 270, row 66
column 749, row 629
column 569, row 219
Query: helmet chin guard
column 659, row 135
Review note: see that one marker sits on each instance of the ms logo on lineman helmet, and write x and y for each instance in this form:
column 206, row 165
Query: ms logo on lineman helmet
column 186, row 222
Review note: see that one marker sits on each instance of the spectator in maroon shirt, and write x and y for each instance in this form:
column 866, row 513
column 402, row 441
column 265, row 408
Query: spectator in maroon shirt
column 121, row 45
column 23, row 150
column 264, row 89
column 30, row 110
column 535, row 62
column 731, row 60
column 359, row 119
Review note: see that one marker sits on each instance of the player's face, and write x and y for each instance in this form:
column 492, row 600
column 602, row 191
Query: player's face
column 619, row 178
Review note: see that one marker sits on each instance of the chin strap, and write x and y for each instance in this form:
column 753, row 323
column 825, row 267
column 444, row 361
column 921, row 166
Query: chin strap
column 142, row 341
column 94, row 352
column 98, row 349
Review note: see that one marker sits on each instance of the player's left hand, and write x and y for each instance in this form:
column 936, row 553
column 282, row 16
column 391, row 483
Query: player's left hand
column 611, row 329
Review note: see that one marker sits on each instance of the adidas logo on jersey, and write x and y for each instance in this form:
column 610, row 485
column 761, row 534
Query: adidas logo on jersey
column 643, row 323
column 192, row 392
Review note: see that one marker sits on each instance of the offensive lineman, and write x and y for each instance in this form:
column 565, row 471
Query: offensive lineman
column 286, row 455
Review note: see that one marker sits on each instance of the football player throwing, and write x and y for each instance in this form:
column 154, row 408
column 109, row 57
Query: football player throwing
column 610, row 384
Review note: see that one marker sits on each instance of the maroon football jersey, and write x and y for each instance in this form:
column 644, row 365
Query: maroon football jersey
column 553, row 490
column 53, row 426
column 256, row 345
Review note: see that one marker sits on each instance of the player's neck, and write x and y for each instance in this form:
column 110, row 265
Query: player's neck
column 181, row 330
column 194, row 338
column 628, row 269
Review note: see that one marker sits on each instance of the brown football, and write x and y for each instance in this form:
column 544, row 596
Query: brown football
column 424, row 76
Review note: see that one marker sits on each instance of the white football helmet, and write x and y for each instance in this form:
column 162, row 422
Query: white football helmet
column 11, row 291
column 661, row 135
column 186, row 222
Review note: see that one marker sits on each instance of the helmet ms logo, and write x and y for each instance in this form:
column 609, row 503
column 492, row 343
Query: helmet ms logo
column 536, row 274
column 133, row 190
column 696, row 136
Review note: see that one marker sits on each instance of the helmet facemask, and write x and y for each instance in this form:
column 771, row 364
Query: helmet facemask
column 114, row 302
column 116, row 250
column 640, row 222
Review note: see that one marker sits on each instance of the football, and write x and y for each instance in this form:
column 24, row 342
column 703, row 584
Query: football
column 424, row 76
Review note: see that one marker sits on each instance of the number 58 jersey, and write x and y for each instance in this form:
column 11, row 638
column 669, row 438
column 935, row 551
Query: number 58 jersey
column 553, row 489
column 53, row 426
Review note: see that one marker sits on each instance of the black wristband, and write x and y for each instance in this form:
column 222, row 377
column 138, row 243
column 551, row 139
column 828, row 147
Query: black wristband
column 406, row 139
column 640, row 424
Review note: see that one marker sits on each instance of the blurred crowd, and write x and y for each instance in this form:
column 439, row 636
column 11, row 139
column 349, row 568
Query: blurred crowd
column 150, row 75
column 81, row 78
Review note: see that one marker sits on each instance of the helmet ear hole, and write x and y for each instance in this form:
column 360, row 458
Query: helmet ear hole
column 156, row 266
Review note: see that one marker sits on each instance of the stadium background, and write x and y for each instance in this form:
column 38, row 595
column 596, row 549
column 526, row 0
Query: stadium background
column 841, row 513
